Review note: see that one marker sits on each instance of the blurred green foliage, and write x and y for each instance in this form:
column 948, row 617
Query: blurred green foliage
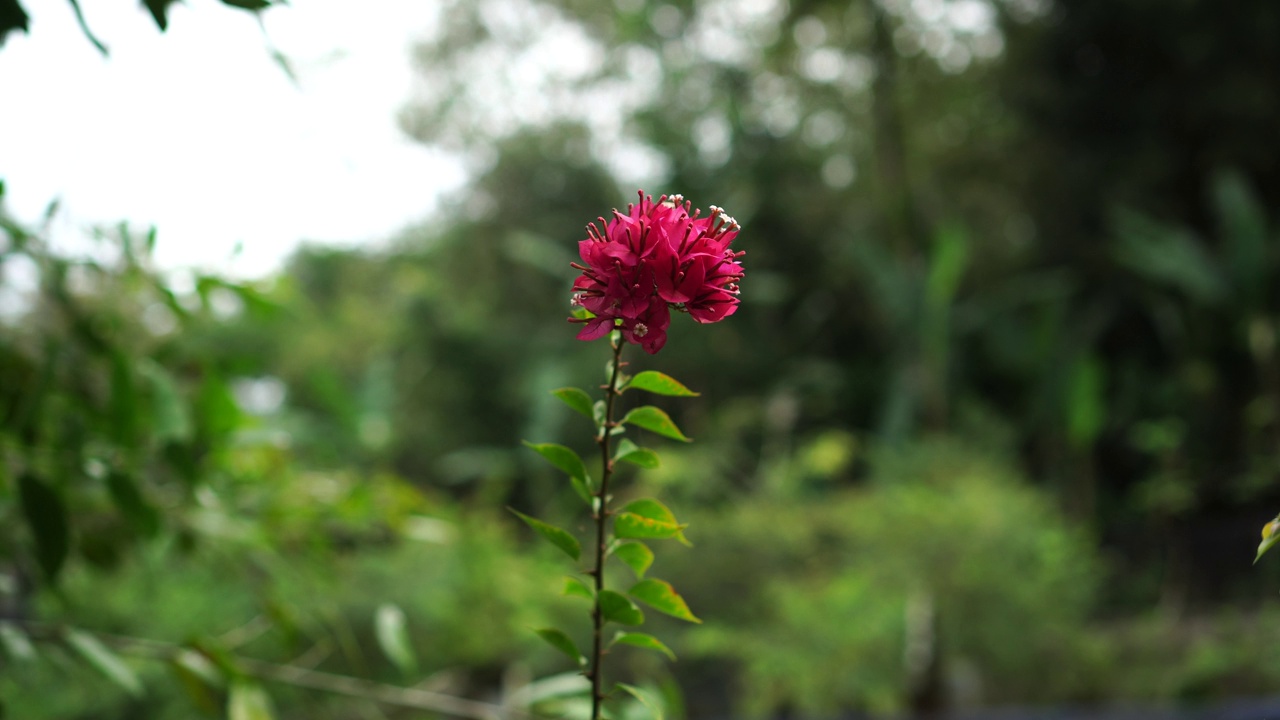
column 1003, row 393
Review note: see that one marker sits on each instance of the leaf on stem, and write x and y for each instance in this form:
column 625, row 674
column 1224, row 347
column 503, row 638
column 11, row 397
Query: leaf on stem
column 568, row 461
column 618, row 608
column 636, row 555
column 561, row 539
column 660, row 596
column 636, row 455
column 393, row 638
column 660, row 384
column 647, row 518
column 641, row 640
column 1270, row 536
column 652, row 704
column 564, row 644
column 576, row 399
column 654, row 420
column 574, row 587
column 104, row 661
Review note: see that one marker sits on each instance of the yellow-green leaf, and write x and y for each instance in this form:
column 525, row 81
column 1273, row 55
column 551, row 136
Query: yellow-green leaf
column 654, row 420
column 662, row 597
column 660, row 384
column 1270, row 536
column 636, row 555
column 647, row 518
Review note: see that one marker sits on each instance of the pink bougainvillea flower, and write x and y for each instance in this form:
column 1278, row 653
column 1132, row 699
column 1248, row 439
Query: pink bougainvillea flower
column 656, row 257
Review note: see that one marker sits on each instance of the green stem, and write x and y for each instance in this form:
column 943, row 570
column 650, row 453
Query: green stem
column 601, row 516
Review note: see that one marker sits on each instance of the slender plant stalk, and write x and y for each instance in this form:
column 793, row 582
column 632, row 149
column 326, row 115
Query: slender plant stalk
column 601, row 516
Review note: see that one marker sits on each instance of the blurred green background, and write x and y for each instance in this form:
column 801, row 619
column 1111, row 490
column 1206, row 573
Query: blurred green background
column 995, row 425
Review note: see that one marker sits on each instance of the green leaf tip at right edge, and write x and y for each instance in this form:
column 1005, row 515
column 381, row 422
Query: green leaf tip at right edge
column 660, row 384
column 1270, row 536
column 560, row 538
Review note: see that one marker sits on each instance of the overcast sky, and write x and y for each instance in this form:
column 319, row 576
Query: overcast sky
column 199, row 132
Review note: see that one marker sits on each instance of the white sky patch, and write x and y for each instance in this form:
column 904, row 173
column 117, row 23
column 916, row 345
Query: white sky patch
column 199, row 132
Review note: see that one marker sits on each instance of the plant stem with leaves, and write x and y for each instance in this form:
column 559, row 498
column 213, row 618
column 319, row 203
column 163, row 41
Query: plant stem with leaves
column 601, row 516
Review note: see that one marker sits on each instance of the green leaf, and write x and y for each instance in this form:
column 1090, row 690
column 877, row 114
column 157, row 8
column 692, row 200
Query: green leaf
column 647, row 518
column 124, row 492
column 632, row 453
column 660, row 384
column 248, row 701
column 641, row 640
column 618, row 608
column 636, row 555
column 660, row 596
column 576, row 399
column 17, row 646
column 12, row 17
column 1270, row 536
column 393, row 638
column 574, row 587
column 564, row 644
column 565, row 459
column 561, row 539
column 159, row 11
column 248, row 4
column 104, row 661
column 651, row 703
column 47, row 515
column 654, row 420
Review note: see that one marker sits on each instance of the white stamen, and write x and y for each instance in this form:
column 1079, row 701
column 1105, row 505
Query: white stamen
column 641, row 330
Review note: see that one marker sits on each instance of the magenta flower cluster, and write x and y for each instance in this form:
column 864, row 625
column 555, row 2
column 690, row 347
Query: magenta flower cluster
column 657, row 257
